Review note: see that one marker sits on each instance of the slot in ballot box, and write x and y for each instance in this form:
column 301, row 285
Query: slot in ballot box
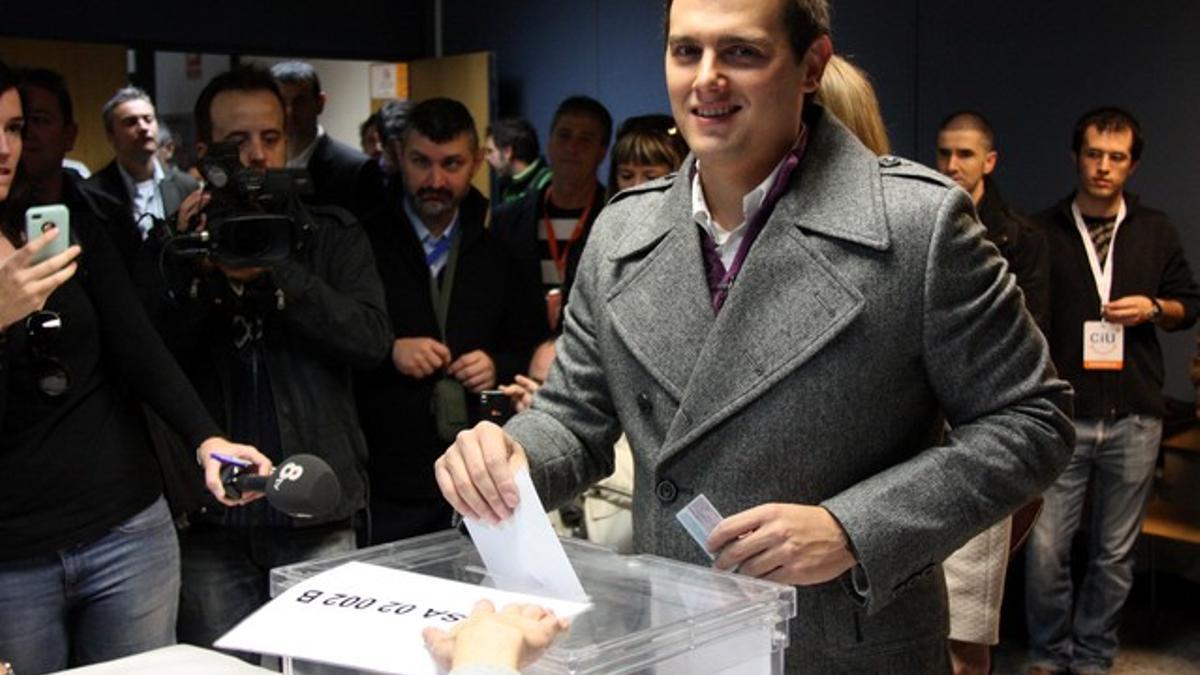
column 649, row 614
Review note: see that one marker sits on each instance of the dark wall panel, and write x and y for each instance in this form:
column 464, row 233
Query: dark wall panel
column 387, row 30
column 1033, row 67
column 548, row 50
column 881, row 38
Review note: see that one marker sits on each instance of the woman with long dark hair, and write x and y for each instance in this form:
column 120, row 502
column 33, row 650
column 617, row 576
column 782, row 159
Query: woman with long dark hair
column 89, row 561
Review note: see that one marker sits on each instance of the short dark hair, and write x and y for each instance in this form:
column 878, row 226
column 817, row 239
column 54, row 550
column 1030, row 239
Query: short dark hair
column 393, row 116
column 244, row 78
column 123, row 95
column 519, row 135
column 586, row 106
column 972, row 120
column 53, row 82
column 805, row 20
column 372, row 122
column 441, row 120
column 297, row 72
column 1108, row 119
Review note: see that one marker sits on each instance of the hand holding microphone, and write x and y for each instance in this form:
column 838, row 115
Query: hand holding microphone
column 302, row 486
column 209, row 454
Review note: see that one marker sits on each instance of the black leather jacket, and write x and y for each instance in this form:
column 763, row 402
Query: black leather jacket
column 325, row 317
column 1023, row 245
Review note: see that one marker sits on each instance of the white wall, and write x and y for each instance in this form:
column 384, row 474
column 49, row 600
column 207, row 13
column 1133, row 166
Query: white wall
column 174, row 92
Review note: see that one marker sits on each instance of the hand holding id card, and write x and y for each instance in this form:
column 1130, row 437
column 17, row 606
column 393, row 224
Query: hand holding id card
column 700, row 518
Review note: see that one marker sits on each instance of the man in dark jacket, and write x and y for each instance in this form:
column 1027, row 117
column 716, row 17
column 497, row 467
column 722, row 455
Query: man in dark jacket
column 150, row 191
column 966, row 152
column 465, row 315
column 50, row 133
column 1117, row 273
column 341, row 175
column 270, row 347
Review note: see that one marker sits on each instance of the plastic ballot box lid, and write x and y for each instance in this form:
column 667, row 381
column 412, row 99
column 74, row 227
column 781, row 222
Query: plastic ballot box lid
column 648, row 615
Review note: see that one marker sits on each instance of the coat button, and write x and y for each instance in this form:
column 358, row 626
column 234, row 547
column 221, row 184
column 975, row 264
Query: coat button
column 889, row 161
column 666, row 491
column 644, row 404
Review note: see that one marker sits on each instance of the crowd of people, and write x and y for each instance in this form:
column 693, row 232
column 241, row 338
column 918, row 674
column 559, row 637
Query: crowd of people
column 722, row 318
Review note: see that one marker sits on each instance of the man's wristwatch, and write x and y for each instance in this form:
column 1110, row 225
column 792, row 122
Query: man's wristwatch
column 1155, row 311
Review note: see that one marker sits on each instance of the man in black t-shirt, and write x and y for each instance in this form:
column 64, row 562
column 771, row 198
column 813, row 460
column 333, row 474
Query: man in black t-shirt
column 1117, row 274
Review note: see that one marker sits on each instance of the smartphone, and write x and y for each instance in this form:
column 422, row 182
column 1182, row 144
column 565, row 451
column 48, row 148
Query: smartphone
column 39, row 219
column 495, row 406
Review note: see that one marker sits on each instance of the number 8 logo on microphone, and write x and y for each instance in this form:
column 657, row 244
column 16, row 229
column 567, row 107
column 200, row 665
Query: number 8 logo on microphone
column 291, row 471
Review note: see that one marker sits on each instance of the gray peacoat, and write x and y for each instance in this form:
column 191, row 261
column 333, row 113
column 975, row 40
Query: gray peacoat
column 869, row 313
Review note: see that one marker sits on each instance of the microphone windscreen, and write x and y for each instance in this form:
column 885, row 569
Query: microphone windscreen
column 304, row 486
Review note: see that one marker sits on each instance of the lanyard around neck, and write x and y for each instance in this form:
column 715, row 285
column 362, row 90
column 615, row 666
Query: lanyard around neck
column 1102, row 276
column 560, row 260
column 759, row 219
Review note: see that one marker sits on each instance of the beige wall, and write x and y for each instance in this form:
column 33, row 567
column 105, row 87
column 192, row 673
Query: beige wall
column 348, row 94
column 348, row 88
column 93, row 72
column 465, row 78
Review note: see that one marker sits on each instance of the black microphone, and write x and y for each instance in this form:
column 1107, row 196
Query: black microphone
column 303, row 486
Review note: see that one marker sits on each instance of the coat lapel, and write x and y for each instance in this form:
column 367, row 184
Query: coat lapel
column 661, row 309
column 790, row 301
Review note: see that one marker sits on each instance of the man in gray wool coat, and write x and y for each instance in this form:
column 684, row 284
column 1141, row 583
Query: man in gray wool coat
column 786, row 327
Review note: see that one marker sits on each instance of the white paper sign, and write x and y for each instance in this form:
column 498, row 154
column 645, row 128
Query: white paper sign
column 383, row 80
column 523, row 553
column 368, row 617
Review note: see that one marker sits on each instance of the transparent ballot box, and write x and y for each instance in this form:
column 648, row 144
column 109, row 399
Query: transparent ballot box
column 648, row 614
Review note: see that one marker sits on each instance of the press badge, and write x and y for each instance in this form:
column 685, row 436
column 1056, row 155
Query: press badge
column 1103, row 345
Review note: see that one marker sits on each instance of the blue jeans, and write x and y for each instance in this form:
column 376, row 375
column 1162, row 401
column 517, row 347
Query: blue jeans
column 102, row 600
column 226, row 572
column 1117, row 458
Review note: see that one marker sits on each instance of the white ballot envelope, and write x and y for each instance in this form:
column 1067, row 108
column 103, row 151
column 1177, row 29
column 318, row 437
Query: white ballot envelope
column 523, row 553
column 369, row 617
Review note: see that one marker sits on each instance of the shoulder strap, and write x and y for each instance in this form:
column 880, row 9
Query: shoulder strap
column 440, row 293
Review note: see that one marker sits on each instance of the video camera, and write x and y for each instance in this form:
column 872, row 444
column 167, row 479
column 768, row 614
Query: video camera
column 246, row 220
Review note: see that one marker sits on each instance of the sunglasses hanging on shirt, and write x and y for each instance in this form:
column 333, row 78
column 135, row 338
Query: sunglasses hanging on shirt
column 43, row 329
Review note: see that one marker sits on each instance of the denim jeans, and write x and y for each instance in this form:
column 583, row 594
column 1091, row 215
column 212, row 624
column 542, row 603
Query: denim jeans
column 1116, row 458
column 97, row 601
column 226, row 572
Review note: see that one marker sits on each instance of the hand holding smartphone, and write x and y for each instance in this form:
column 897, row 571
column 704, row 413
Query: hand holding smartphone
column 42, row 219
column 495, row 406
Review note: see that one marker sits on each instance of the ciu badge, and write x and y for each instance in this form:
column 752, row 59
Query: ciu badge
column 1103, row 345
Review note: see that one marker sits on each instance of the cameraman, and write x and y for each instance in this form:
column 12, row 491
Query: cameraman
column 270, row 346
